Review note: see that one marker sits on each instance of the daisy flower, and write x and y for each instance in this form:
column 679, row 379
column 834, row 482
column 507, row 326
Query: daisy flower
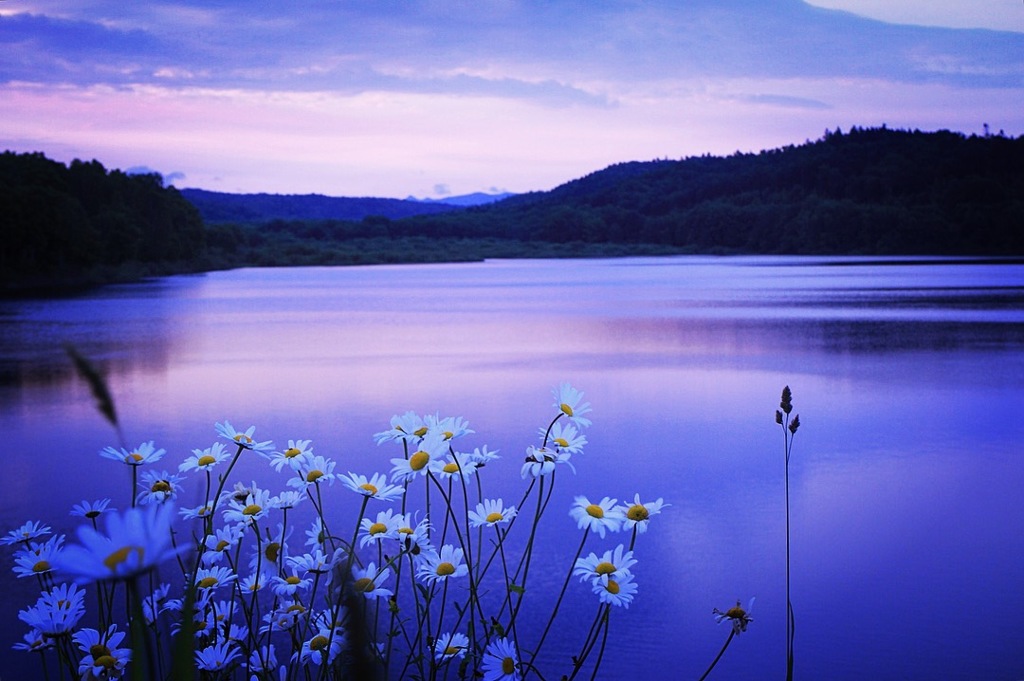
column 143, row 454
column 293, row 456
column 449, row 427
column 569, row 401
column 453, row 466
column 57, row 611
column 215, row 577
column 637, row 515
column 204, row 459
column 33, row 529
column 316, row 535
column 450, row 646
column 195, row 512
column 288, row 586
column 385, row 526
column 153, row 604
column 102, row 656
column 135, row 542
column 34, row 642
column 216, row 657
column 223, row 539
column 322, row 648
column 38, row 559
column 566, row 438
column 414, row 538
column 539, row 462
column 258, row 503
column 409, row 427
column 317, row 563
column 273, row 549
column 431, row 447
column 501, row 661
column 283, row 618
column 376, row 487
column 367, row 581
column 739, row 617
column 597, row 517
column 438, row 567
column 91, row 509
column 491, row 512
column 243, row 440
column 289, row 499
column 610, row 565
column 313, row 471
column 254, row 582
column 482, row 456
column 263, row 661
column 618, row 592
column 158, row 487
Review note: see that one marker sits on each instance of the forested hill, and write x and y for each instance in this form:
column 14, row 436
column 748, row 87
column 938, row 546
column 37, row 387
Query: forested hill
column 81, row 223
column 867, row 191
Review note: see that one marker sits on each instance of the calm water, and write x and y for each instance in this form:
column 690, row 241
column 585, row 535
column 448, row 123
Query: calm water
column 908, row 549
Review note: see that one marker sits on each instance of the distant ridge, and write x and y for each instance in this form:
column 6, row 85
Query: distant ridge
column 221, row 207
column 467, row 200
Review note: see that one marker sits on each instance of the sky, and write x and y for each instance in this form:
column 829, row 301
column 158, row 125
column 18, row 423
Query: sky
column 430, row 98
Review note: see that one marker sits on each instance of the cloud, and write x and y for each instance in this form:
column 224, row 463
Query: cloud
column 442, row 190
column 785, row 101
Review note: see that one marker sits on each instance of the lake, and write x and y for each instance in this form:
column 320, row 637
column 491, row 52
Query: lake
column 906, row 476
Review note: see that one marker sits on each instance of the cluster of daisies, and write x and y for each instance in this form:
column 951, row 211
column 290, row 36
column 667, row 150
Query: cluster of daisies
column 262, row 605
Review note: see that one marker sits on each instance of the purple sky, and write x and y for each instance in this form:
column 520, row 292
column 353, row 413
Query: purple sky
column 428, row 98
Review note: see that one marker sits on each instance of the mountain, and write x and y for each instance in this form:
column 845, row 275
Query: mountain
column 466, row 200
column 221, row 207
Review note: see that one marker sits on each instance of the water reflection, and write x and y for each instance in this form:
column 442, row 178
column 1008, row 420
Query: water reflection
column 908, row 378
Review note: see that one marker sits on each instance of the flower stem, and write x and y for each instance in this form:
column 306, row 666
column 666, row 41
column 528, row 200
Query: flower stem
column 732, row 633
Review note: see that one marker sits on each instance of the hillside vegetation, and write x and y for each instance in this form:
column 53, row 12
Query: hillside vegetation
column 867, row 191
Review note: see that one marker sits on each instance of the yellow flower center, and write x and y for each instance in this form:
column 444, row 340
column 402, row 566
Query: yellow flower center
column 319, row 643
column 451, row 467
column 41, row 566
column 207, row 582
column 99, row 650
column 638, row 512
column 445, row 569
column 448, row 435
column 378, row 528
column 508, row 666
column 160, row 486
column 295, row 607
column 105, row 661
column 206, row 460
column 566, row 409
column 405, row 530
column 292, row 579
column 221, row 545
column 452, row 650
column 369, row 488
column 420, row 432
column 494, row 517
column 134, row 456
column 561, row 441
column 364, row 584
column 314, row 475
column 252, row 509
column 736, row 613
column 613, row 587
column 242, row 437
column 272, row 551
column 604, row 568
column 120, row 556
column 595, row 511
column 92, row 514
column 418, row 460
column 292, row 452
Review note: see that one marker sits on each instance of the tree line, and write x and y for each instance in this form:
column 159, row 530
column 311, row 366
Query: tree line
column 870, row 191
column 82, row 223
